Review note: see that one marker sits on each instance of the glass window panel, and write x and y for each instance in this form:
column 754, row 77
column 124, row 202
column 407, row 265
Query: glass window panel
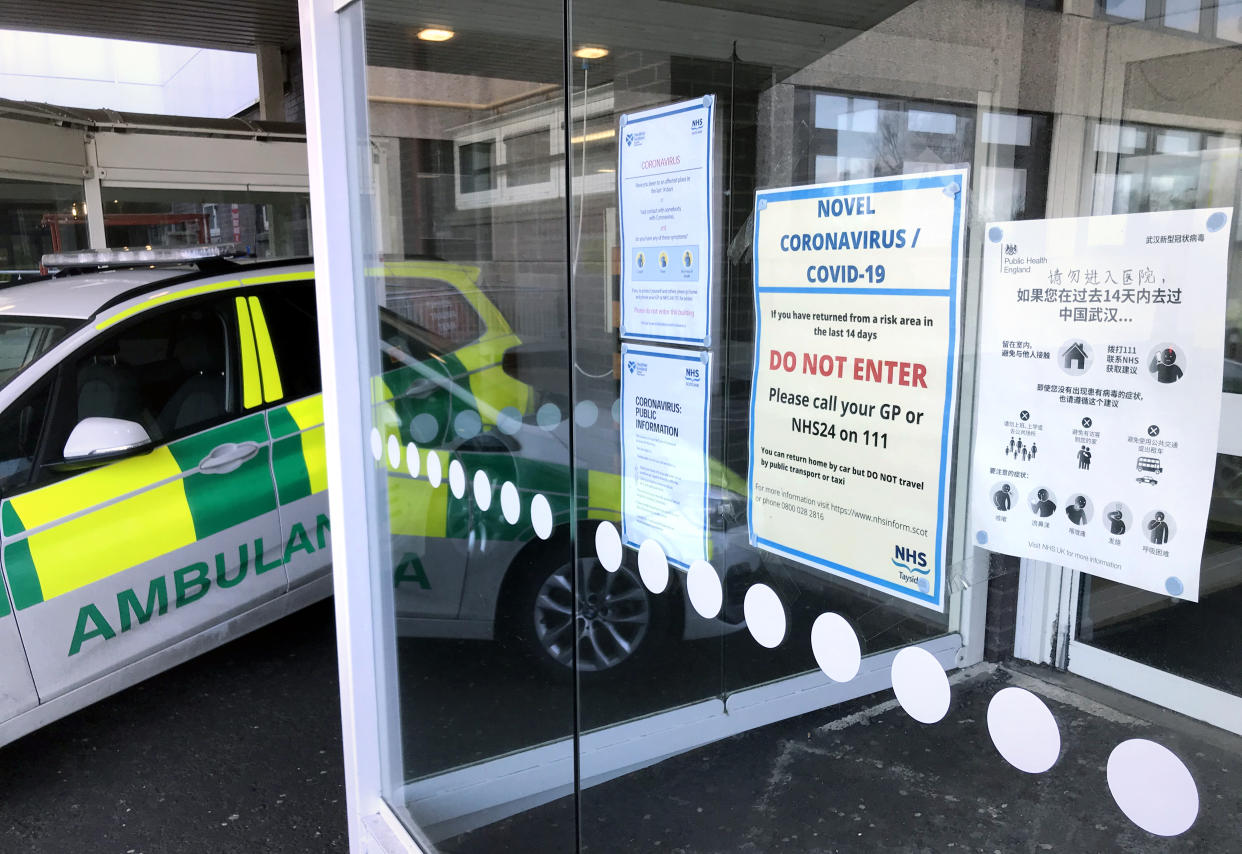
column 1229, row 20
column 476, row 167
column 1182, row 15
column 37, row 218
column 1004, row 129
column 925, row 121
column 259, row 224
column 528, row 159
column 1135, row 10
column 465, row 242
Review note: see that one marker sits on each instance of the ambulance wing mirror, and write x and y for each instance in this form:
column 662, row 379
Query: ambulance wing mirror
column 98, row 440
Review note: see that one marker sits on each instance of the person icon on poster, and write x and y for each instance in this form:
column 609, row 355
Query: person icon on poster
column 1043, row 506
column 1084, row 457
column 1077, row 511
column 1158, row 529
column 1116, row 523
column 1034, row 449
column 1002, row 498
column 1164, row 366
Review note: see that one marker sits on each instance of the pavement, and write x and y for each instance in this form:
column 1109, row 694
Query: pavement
column 240, row 751
column 867, row 777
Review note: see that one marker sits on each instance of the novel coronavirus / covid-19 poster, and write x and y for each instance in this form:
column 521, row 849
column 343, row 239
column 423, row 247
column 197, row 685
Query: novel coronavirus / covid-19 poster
column 853, row 397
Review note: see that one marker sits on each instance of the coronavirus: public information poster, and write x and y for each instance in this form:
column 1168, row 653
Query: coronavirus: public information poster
column 856, row 345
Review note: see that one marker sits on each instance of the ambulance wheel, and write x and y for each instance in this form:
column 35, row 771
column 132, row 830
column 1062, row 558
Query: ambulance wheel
column 616, row 625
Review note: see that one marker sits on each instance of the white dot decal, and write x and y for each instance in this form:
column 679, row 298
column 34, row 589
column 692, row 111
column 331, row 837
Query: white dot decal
column 509, row 420
column 835, row 647
column 467, row 424
column 510, row 503
column 765, row 615
column 586, row 413
column 920, row 685
column 424, row 427
column 394, row 452
column 457, row 479
column 653, row 566
column 433, row 469
column 703, row 585
column 377, row 444
column 411, row 459
column 1023, row 730
column 1153, row 787
column 548, row 416
column 608, row 546
column 541, row 516
column 482, row 490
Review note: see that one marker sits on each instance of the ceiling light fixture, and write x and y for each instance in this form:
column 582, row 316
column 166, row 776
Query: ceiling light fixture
column 591, row 52
column 435, row 34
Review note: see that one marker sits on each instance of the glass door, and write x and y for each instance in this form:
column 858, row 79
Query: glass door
column 1182, row 154
column 657, row 334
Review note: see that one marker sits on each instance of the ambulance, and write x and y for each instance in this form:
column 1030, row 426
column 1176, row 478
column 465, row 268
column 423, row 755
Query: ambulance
column 163, row 486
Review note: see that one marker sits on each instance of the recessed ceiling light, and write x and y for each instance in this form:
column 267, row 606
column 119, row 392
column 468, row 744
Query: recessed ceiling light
column 591, row 52
column 434, row 34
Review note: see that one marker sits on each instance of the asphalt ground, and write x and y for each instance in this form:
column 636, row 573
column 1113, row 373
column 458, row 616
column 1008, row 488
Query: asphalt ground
column 238, row 750
column 865, row 777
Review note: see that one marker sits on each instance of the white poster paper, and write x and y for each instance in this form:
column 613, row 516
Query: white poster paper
column 1100, row 359
column 856, row 303
column 664, row 178
column 664, row 410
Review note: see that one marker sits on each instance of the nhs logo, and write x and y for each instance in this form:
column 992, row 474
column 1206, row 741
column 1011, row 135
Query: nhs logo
column 694, row 376
column 910, row 559
column 696, row 125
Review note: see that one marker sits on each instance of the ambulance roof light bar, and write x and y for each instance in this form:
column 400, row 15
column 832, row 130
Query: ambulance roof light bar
column 139, row 257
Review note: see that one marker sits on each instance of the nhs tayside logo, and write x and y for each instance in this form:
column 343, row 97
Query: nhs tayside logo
column 696, row 125
column 694, row 376
column 909, row 559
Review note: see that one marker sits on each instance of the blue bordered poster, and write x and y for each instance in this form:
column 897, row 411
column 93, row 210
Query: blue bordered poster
column 853, row 397
column 664, row 180
column 664, row 411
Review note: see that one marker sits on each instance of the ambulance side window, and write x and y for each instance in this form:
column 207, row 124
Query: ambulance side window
column 20, row 428
column 169, row 371
column 289, row 312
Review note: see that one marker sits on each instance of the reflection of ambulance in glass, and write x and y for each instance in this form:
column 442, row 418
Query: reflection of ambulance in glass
column 1149, row 464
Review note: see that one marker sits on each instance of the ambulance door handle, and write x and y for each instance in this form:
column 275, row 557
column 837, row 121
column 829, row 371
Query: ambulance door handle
column 228, row 457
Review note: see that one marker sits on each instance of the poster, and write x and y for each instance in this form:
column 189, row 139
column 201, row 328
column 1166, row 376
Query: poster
column 664, row 178
column 1100, row 362
column 856, row 303
column 664, row 410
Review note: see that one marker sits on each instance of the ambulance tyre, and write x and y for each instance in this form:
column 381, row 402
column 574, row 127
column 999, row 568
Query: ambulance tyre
column 618, row 623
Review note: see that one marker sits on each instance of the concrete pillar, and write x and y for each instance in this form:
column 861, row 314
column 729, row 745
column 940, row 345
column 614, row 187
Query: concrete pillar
column 271, row 82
